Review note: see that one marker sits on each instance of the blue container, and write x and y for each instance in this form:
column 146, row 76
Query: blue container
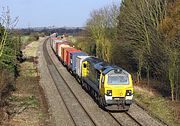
column 73, row 56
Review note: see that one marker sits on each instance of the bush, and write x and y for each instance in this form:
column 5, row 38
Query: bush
column 33, row 37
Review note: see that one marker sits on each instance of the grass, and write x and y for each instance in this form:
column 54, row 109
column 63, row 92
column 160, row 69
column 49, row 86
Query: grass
column 24, row 39
column 28, row 101
column 157, row 104
column 27, row 97
column 31, row 49
column 28, row 69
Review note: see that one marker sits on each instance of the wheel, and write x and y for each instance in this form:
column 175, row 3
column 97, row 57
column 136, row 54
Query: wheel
column 88, row 88
column 92, row 92
column 101, row 102
column 83, row 85
column 96, row 97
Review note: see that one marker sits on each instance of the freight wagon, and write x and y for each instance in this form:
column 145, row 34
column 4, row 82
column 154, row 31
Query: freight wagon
column 67, row 55
column 72, row 65
column 55, row 43
column 52, row 39
column 79, row 60
column 59, row 46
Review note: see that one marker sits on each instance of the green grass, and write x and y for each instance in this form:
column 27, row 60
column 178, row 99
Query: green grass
column 29, row 101
column 157, row 105
column 24, row 39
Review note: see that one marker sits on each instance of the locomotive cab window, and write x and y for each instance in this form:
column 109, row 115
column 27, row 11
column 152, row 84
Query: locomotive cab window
column 118, row 79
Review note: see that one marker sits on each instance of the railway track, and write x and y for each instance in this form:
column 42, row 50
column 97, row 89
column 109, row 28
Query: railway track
column 78, row 113
column 133, row 119
column 130, row 119
column 71, row 103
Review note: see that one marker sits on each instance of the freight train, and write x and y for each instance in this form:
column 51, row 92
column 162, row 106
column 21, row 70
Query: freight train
column 109, row 85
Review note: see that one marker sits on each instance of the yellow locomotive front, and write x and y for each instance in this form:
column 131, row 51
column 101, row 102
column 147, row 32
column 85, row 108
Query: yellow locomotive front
column 111, row 85
column 116, row 88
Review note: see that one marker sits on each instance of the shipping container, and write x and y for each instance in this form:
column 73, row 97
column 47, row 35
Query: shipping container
column 79, row 60
column 59, row 47
column 73, row 56
column 68, row 56
column 63, row 51
column 55, row 43
column 66, row 50
column 52, row 41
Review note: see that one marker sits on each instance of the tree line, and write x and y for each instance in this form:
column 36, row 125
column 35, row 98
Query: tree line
column 48, row 31
column 9, row 49
column 142, row 36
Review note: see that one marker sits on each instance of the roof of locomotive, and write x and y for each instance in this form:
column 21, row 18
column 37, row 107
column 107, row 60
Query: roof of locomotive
column 115, row 68
column 93, row 60
column 103, row 66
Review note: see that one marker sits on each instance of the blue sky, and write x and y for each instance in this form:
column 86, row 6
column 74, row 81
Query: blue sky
column 59, row 13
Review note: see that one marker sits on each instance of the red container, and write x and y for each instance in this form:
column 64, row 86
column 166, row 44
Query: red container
column 63, row 47
column 65, row 53
column 59, row 45
column 68, row 56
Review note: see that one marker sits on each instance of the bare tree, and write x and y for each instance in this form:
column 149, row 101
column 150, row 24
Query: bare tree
column 103, row 26
column 7, row 23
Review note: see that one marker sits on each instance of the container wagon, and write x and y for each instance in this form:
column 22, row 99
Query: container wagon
column 66, row 52
column 79, row 60
column 72, row 65
column 60, row 45
column 54, row 44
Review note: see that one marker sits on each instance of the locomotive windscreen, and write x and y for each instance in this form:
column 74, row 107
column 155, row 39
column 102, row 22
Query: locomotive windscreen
column 118, row 79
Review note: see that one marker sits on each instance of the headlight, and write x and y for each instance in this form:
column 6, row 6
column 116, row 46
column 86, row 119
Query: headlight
column 128, row 92
column 109, row 92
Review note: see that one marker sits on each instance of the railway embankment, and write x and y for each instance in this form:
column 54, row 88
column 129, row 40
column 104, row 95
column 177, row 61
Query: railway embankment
column 158, row 106
column 26, row 105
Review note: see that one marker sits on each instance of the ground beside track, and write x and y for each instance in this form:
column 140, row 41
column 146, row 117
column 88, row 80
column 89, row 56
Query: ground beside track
column 26, row 106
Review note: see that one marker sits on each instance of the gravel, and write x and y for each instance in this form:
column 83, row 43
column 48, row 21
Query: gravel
column 59, row 115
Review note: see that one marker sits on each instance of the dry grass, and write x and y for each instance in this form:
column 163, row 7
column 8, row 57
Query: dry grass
column 26, row 104
column 158, row 105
